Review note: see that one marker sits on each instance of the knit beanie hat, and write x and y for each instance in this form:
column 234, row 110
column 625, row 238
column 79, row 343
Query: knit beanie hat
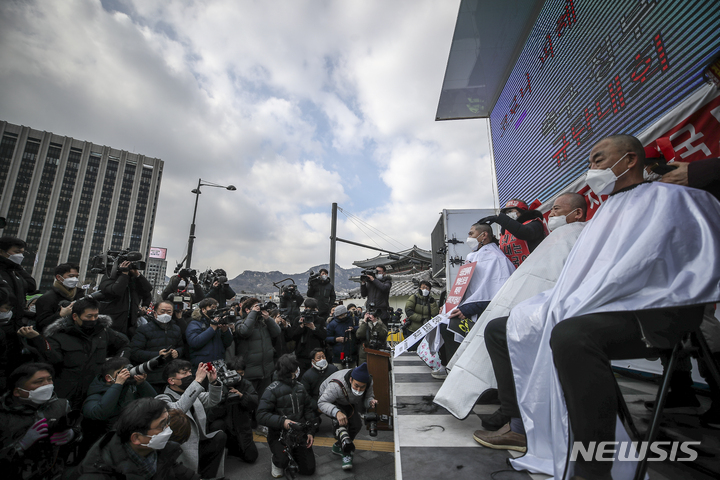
column 361, row 374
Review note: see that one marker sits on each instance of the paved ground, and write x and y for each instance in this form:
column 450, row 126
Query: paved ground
column 374, row 459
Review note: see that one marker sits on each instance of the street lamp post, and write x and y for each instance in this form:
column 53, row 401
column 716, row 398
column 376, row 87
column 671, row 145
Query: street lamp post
column 197, row 192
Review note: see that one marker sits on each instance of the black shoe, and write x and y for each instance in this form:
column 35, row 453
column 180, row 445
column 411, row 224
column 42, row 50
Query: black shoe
column 495, row 421
column 489, row 397
column 679, row 403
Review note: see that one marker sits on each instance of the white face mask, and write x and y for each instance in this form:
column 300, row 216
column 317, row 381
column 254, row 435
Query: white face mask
column 71, row 282
column 321, row 364
column 472, row 242
column 17, row 258
column 324, row 277
column 6, row 315
column 158, row 442
column 513, row 215
column 379, row 276
column 425, row 293
column 357, row 393
column 41, row 394
column 651, row 177
column 602, row 182
column 557, row 222
column 164, row 318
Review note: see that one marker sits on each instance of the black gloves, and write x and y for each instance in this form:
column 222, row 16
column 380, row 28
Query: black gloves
column 488, row 220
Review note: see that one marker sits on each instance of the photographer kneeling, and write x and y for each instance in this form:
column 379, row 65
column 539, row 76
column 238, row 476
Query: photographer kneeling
column 343, row 397
column 283, row 406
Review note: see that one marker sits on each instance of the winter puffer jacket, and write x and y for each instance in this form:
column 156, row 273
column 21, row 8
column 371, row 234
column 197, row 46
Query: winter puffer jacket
column 41, row 460
column 313, row 378
column 76, row 356
column 284, row 399
column 108, row 459
column 206, row 344
column 152, row 337
column 254, row 341
column 336, row 328
column 47, row 307
column 419, row 309
column 324, row 293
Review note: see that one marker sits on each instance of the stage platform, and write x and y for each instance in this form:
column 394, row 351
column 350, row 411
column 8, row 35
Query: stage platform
column 430, row 443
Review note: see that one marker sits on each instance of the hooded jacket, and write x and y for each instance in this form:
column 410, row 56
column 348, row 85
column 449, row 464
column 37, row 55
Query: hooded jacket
column 284, row 399
column 206, row 344
column 152, row 337
column 42, row 457
column 77, row 356
column 254, row 342
column 108, row 459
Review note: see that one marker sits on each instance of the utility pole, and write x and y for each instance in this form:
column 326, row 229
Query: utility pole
column 333, row 241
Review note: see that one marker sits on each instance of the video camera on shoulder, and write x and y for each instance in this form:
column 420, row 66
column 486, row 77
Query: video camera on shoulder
column 314, row 277
column 289, row 291
column 310, row 316
column 108, row 263
column 364, row 274
column 187, row 273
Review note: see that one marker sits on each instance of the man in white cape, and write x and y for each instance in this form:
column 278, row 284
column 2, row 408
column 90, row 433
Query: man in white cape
column 492, row 269
column 471, row 371
column 638, row 277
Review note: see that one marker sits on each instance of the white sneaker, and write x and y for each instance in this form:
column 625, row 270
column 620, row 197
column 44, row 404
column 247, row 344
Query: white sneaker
column 440, row 373
column 277, row 472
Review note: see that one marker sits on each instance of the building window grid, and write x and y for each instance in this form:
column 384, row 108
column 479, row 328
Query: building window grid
column 22, row 186
column 123, row 206
column 104, row 208
column 57, row 232
column 140, row 209
column 84, row 208
column 47, row 179
column 7, row 148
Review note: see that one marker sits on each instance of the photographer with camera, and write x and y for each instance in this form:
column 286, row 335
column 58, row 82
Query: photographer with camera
column 207, row 334
column 285, row 405
column 18, row 283
column 179, row 284
column 290, row 301
column 34, row 425
column 344, row 396
column 161, row 335
column 309, row 333
column 124, row 290
column 108, row 394
column 341, row 335
column 376, row 285
column 204, row 450
column 77, row 346
column 140, row 447
column 233, row 414
column 57, row 302
column 220, row 290
column 372, row 333
column 323, row 291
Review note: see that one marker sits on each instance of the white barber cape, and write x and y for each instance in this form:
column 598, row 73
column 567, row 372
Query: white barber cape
column 492, row 270
column 654, row 246
column 471, row 371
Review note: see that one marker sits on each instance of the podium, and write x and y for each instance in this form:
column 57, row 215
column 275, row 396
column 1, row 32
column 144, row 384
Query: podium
column 378, row 362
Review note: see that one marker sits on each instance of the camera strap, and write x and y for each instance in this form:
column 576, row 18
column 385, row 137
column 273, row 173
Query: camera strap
column 342, row 387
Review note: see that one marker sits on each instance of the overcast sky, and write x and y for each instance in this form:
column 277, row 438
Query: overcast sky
column 298, row 104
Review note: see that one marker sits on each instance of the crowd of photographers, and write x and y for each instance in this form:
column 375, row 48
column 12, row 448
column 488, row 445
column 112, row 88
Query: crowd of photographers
column 108, row 383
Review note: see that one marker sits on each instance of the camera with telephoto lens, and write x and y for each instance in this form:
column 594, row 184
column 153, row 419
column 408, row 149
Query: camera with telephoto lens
column 108, row 263
column 152, row 365
column 229, row 379
column 343, row 437
column 371, row 421
column 295, row 437
column 59, row 425
column 364, row 274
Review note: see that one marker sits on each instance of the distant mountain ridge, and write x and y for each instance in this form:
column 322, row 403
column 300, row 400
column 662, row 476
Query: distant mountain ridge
column 262, row 282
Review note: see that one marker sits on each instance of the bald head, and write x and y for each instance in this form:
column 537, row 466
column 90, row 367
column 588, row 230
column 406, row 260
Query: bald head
column 624, row 155
column 570, row 205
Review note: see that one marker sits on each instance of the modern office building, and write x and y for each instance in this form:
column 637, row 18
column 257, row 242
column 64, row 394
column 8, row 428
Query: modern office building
column 71, row 199
column 156, row 268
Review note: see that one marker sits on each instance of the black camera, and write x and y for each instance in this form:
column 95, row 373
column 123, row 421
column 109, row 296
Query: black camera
column 187, row 273
column 108, row 263
column 343, row 437
column 371, row 421
column 377, row 341
column 223, row 316
column 294, row 437
column 309, row 316
column 364, row 274
column 289, row 291
column 59, row 425
column 229, row 379
column 314, row 277
column 209, row 276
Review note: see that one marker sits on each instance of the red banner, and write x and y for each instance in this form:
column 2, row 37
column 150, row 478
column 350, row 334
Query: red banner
column 457, row 291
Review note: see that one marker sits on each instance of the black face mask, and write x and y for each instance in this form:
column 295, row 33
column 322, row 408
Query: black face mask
column 210, row 313
column 186, row 382
column 89, row 328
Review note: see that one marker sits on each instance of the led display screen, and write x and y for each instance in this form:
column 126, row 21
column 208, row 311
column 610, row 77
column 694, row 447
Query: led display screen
column 158, row 252
column 592, row 68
